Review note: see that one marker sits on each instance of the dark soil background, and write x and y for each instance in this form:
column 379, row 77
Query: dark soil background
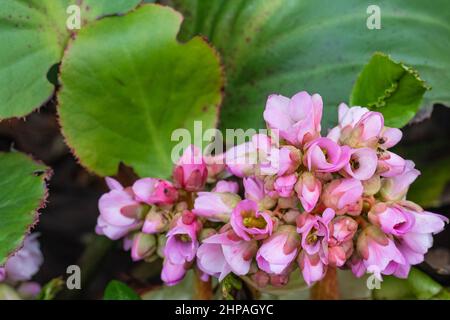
column 68, row 221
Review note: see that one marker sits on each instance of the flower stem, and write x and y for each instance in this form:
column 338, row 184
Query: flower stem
column 203, row 289
column 327, row 288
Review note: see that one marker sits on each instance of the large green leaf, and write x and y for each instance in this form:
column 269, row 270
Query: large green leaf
column 285, row 46
column 116, row 290
column 127, row 84
column 23, row 192
column 390, row 88
column 33, row 35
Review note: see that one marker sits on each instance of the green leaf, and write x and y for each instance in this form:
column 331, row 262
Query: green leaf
column 23, row 193
column 117, row 290
column 33, row 35
column 418, row 285
column 390, row 88
column 285, row 46
column 127, row 84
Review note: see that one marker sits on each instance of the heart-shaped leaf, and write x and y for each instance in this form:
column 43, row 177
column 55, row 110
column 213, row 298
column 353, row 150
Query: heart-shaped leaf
column 23, row 193
column 33, row 35
column 285, row 46
column 390, row 88
column 127, row 84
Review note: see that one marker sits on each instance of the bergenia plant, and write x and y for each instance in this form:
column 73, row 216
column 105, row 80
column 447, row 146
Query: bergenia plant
column 311, row 202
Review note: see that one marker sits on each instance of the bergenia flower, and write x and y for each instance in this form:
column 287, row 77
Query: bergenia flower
column 155, row 191
column 223, row 253
column 284, row 185
column 297, row 119
column 215, row 206
column 377, row 251
column 363, row 163
column 191, row 172
column 279, row 250
column 325, row 155
column 308, row 189
column 249, row 222
column 343, row 195
column 182, row 243
column 396, row 187
column 172, row 273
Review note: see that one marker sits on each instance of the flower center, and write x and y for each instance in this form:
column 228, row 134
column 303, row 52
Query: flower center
column 183, row 238
column 354, row 164
column 311, row 238
column 251, row 221
column 325, row 153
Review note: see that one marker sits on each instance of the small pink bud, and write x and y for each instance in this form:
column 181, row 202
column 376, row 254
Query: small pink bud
column 190, row 173
column 344, row 196
column 155, row 222
column 342, row 229
column 155, row 191
column 261, row 278
column 279, row 280
column 285, row 185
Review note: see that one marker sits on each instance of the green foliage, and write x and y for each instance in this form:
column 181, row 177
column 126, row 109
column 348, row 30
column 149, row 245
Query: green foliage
column 418, row 285
column 117, row 290
column 127, row 84
column 33, row 35
column 390, row 88
column 284, row 46
column 23, row 193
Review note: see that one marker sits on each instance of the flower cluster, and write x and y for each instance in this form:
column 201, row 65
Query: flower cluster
column 308, row 200
column 22, row 266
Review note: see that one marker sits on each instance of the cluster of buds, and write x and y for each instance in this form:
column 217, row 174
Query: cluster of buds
column 290, row 199
column 20, row 268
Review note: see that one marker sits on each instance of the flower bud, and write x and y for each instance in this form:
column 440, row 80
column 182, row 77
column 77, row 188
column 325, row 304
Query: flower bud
column 155, row 191
column 308, row 190
column 279, row 280
column 144, row 245
column 155, row 222
column 261, row 278
column 342, row 229
column 215, row 206
column 190, row 173
column 285, row 185
column 344, row 196
column 392, row 219
column 372, row 185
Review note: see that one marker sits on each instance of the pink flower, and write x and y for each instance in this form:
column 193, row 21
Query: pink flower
column 226, row 186
column 390, row 164
column 114, row 232
column 289, row 160
column 392, row 219
column 348, row 118
column 297, row 119
column 343, row 195
column 415, row 243
column 342, row 229
column 279, row 250
column 315, row 232
column 325, row 155
column 362, row 164
column 390, row 137
column 118, row 207
column 172, row 273
column 25, row 263
column 312, row 267
column 377, row 251
column 247, row 221
column 190, row 173
column 396, row 187
column 222, row 253
column 308, row 189
column 182, row 244
column 254, row 189
column 144, row 245
column 340, row 243
column 285, row 185
column 368, row 128
column 242, row 160
column 155, row 191
column 215, row 206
